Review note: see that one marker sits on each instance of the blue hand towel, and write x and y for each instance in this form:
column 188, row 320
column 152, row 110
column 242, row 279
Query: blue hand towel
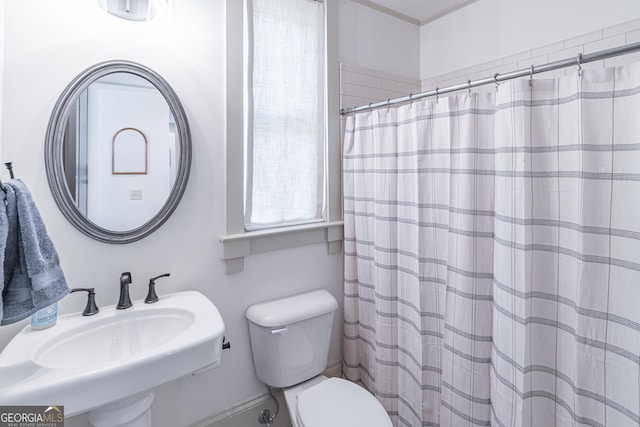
column 33, row 278
column 10, row 253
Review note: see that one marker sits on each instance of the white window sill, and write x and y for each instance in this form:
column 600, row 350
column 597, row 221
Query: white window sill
column 234, row 247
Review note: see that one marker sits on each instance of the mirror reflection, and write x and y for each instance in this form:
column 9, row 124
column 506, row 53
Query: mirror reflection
column 120, row 149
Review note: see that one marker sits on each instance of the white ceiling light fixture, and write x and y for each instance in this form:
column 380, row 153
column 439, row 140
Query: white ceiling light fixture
column 132, row 10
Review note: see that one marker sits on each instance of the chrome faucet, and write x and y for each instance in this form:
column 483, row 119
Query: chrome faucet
column 125, row 300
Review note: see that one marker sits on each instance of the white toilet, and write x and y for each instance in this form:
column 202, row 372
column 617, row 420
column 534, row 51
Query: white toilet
column 290, row 343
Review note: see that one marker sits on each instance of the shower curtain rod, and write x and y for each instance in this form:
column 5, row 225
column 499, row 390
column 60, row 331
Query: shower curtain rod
column 577, row 61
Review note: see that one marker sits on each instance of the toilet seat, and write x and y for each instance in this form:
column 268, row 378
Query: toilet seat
column 340, row 403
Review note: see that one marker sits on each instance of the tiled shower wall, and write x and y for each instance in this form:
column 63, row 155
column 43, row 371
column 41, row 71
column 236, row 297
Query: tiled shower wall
column 360, row 86
column 606, row 38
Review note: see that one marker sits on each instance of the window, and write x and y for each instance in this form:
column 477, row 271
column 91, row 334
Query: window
column 273, row 222
column 284, row 113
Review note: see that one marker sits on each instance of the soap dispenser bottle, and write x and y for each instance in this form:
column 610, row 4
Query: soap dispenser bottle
column 45, row 318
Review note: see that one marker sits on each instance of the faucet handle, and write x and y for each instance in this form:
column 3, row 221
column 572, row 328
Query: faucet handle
column 151, row 295
column 91, row 308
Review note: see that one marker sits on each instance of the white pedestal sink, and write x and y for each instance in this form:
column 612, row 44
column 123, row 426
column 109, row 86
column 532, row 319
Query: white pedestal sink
column 109, row 363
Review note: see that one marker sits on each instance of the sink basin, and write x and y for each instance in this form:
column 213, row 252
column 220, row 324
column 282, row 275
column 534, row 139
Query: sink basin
column 113, row 338
column 88, row 362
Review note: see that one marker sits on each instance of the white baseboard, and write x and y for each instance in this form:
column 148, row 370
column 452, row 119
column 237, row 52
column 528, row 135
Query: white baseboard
column 246, row 413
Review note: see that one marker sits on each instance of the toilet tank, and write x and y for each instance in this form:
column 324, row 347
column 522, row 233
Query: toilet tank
column 290, row 337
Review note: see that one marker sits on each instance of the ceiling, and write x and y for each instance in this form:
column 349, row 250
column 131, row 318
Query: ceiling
column 416, row 11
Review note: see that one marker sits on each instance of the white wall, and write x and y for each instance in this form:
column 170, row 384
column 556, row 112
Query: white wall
column 490, row 29
column 377, row 41
column 47, row 44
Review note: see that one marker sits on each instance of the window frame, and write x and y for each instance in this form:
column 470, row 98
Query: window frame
column 238, row 243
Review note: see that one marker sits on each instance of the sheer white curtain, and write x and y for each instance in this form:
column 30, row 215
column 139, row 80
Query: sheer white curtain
column 284, row 168
column 492, row 254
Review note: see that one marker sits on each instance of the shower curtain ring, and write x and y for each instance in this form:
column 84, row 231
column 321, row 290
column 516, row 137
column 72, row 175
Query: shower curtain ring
column 579, row 61
column 388, row 104
column 469, row 86
column 437, row 94
column 495, row 79
column 531, row 76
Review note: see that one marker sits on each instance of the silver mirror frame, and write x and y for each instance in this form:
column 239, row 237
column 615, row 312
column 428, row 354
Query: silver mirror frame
column 53, row 152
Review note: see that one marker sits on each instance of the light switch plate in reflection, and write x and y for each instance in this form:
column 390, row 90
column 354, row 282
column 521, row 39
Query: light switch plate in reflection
column 136, row 194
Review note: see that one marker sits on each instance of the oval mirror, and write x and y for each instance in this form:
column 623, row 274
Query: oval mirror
column 118, row 151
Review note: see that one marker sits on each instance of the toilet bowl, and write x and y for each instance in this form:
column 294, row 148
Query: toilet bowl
column 334, row 402
column 290, row 339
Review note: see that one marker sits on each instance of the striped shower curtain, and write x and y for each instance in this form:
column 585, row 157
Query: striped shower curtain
column 492, row 254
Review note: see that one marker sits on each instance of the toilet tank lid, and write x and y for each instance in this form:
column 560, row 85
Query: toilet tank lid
column 295, row 308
